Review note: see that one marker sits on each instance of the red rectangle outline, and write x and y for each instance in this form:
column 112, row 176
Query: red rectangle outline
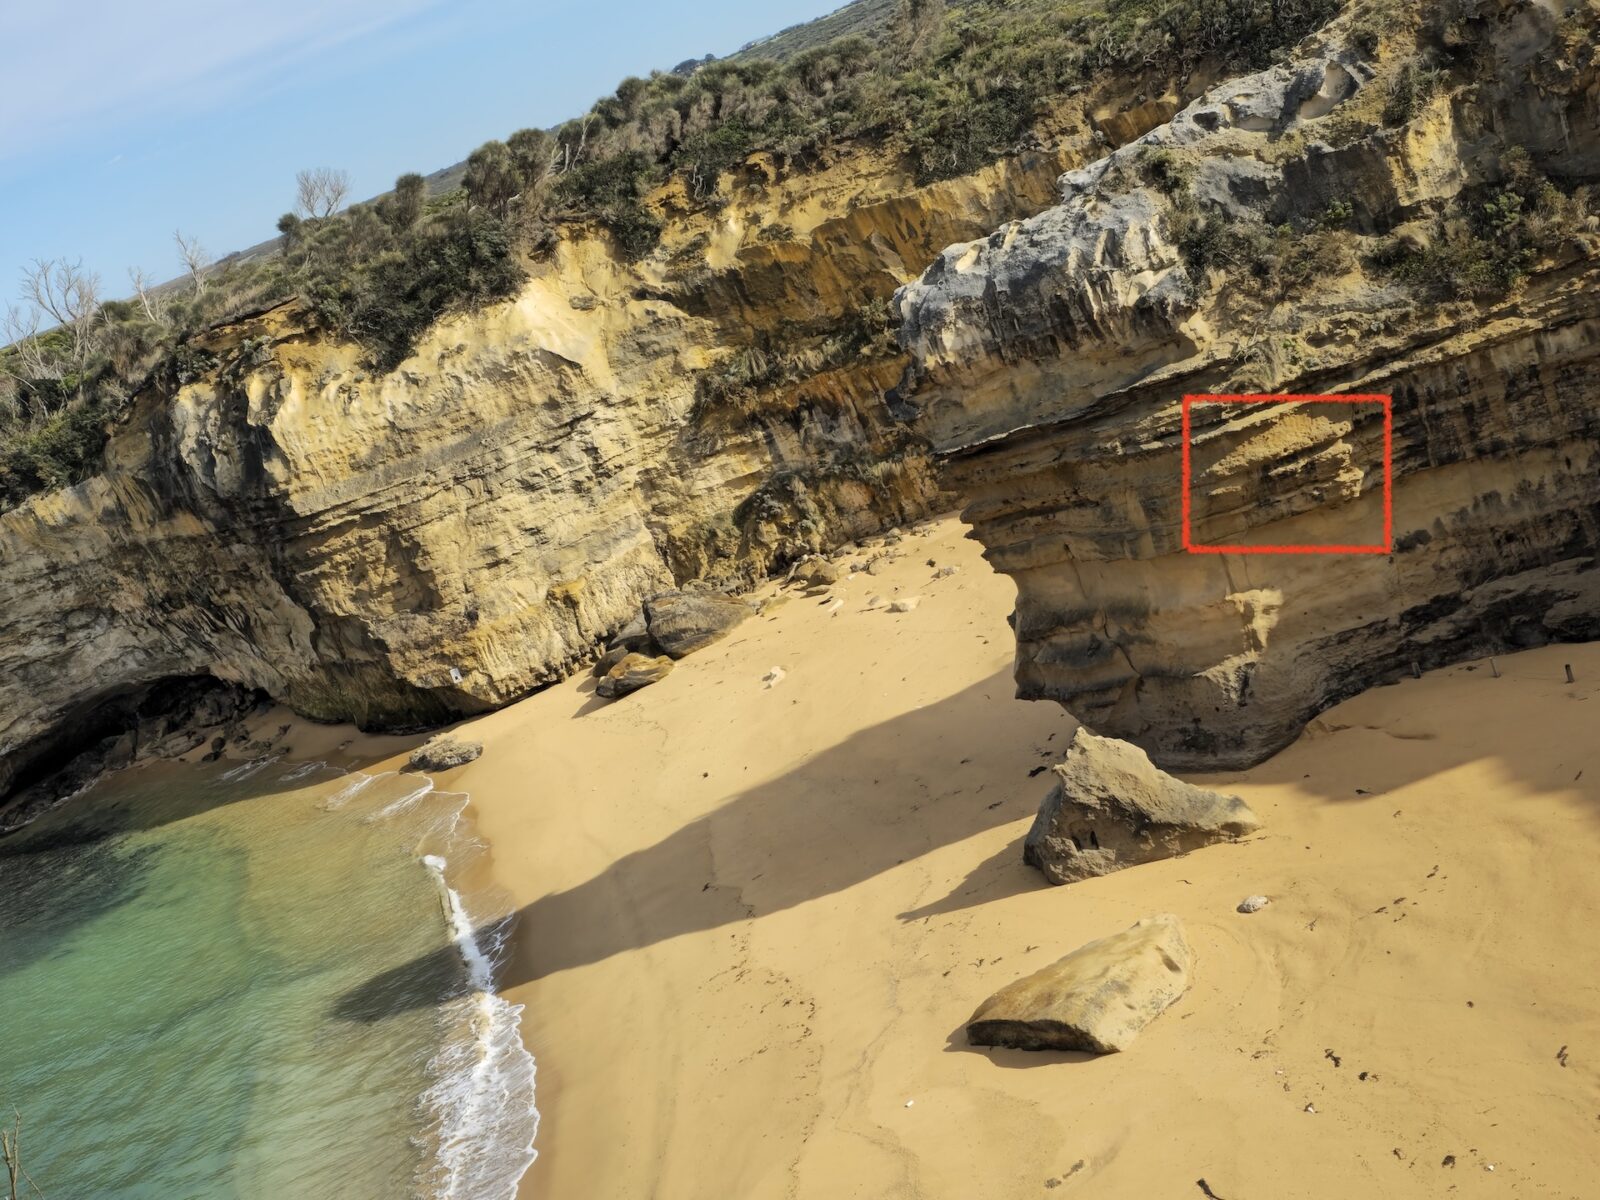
column 1388, row 474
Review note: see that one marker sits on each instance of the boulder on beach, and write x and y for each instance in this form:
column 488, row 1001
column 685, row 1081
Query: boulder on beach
column 1097, row 998
column 443, row 752
column 632, row 673
column 1112, row 807
column 683, row 622
column 819, row 572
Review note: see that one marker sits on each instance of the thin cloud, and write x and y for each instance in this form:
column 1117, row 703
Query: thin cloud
column 95, row 63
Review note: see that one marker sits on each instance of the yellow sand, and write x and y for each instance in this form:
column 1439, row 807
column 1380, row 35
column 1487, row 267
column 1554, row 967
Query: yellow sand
column 757, row 919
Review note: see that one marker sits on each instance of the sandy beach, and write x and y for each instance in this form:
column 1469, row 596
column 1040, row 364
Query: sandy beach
column 754, row 920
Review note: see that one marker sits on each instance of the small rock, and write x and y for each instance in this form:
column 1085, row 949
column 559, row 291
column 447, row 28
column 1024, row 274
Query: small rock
column 443, row 752
column 773, row 677
column 632, row 673
column 610, row 659
column 905, row 604
column 1097, row 998
column 819, row 571
column 833, row 609
column 945, row 572
column 1252, row 904
column 1312, row 1109
column 820, row 589
column 909, row 1103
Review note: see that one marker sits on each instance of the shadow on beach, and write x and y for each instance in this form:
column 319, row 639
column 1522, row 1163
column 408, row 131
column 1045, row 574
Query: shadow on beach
column 884, row 796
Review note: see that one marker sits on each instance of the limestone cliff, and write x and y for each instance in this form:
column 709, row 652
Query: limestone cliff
column 400, row 549
column 1290, row 232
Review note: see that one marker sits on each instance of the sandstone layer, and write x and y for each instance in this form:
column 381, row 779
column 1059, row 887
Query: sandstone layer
column 1250, row 245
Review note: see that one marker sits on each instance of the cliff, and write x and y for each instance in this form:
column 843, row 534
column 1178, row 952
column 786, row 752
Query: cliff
column 1401, row 209
column 400, row 549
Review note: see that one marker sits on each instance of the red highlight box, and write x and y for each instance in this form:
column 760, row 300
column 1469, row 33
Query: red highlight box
column 1384, row 547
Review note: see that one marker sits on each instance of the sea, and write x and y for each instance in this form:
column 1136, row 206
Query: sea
column 249, row 980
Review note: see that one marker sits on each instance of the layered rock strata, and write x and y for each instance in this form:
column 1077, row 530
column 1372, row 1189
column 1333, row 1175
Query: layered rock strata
column 406, row 548
column 1276, row 237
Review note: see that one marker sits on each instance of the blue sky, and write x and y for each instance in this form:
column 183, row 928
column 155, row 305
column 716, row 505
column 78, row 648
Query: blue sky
column 122, row 121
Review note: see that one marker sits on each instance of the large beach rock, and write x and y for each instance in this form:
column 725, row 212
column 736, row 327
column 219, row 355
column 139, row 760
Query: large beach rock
column 683, row 622
column 1113, row 808
column 1097, row 998
column 632, row 673
column 443, row 752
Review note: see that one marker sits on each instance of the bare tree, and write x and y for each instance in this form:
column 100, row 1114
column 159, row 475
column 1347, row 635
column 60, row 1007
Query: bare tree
column 21, row 328
column 154, row 307
column 320, row 191
column 11, row 1160
column 195, row 259
column 63, row 292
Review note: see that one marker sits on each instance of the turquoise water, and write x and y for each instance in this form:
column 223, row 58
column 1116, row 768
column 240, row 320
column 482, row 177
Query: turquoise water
column 254, row 983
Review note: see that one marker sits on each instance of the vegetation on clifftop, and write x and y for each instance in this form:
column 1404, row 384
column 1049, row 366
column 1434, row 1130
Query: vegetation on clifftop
column 945, row 91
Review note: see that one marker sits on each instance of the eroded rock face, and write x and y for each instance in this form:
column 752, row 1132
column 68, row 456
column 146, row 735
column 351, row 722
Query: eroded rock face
column 1050, row 362
column 1111, row 808
column 1097, row 998
column 401, row 550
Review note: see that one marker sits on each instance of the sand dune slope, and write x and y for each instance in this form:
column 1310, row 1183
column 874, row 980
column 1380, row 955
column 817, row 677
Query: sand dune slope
column 757, row 917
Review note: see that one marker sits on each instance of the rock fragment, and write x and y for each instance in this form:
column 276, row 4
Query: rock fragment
column 1112, row 807
column 905, row 604
column 1097, row 998
column 632, row 673
column 1252, row 904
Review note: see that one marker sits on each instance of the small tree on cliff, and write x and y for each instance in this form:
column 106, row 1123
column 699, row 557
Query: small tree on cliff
column 491, row 180
column 195, row 259
column 916, row 27
column 320, row 191
column 402, row 208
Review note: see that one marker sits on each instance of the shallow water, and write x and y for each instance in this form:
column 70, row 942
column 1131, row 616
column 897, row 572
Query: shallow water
column 255, row 982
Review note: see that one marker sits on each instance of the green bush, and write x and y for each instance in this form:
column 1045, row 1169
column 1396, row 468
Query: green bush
column 1485, row 244
column 461, row 261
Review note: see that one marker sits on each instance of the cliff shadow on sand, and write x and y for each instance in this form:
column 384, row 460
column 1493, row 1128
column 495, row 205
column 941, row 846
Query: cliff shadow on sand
column 854, row 811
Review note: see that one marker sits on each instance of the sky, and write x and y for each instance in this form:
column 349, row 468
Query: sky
column 121, row 122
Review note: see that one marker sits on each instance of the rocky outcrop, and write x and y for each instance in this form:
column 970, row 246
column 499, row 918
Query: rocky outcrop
column 1290, row 232
column 633, row 672
column 160, row 720
column 1111, row 808
column 444, row 752
column 403, row 549
column 1097, row 998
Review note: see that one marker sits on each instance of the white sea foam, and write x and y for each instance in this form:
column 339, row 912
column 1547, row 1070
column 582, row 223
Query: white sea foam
column 481, row 1098
column 404, row 804
column 351, row 790
column 254, row 767
column 301, row 771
